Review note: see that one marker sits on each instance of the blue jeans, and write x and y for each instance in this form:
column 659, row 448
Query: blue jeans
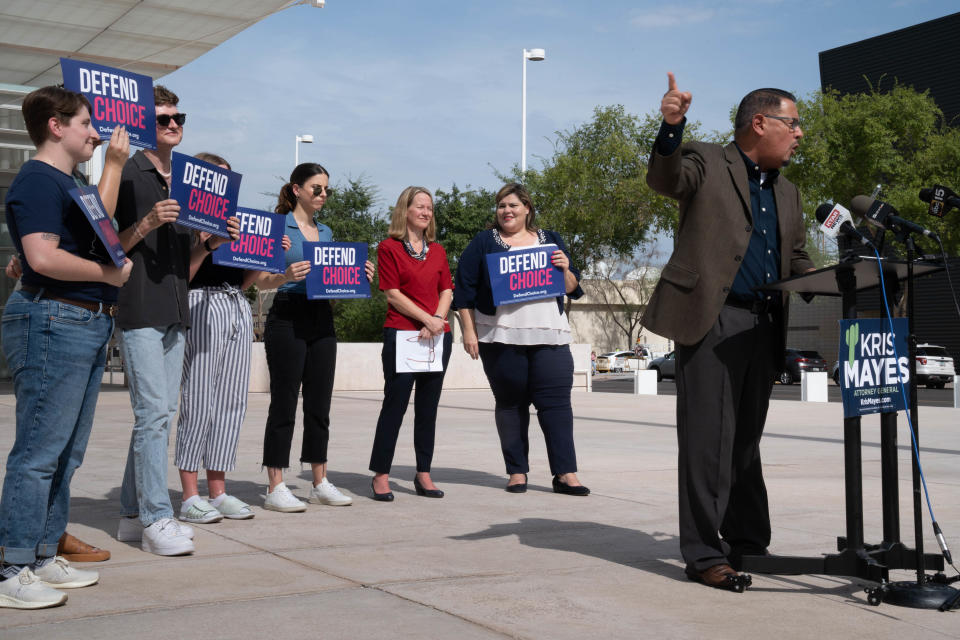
column 57, row 353
column 153, row 360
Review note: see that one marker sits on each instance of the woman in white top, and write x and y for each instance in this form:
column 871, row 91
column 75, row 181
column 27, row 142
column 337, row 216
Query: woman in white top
column 524, row 346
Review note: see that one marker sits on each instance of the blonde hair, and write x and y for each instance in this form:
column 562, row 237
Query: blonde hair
column 398, row 220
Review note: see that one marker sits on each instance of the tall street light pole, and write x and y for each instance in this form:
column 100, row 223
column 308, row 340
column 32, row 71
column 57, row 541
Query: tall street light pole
column 305, row 138
column 535, row 55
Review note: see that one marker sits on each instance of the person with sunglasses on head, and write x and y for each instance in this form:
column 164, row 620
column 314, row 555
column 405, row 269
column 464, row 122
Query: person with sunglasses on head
column 741, row 227
column 216, row 378
column 301, row 347
column 524, row 346
column 154, row 318
column 415, row 276
column 56, row 328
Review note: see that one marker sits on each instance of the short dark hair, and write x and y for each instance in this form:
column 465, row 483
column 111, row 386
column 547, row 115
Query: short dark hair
column 50, row 102
column 287, row 201
column 162, row 95
column 759, row 101
column 517, row 189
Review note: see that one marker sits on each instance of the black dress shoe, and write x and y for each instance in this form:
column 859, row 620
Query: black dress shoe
column 563, row 487
column 382, row 497
column 520, row 487
column 427, row 493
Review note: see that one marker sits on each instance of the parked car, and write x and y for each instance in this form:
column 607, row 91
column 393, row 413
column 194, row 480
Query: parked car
column 796, row 361
column 611, row 361
column 934, row 366
column 665, row 366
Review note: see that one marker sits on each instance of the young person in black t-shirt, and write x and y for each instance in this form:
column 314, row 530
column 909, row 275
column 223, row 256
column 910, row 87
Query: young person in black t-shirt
column 55, row 333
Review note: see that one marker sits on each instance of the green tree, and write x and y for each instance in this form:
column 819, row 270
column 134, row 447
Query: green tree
column 896, row 138
column 351, row 214
column 459, row 216
column 593, row 189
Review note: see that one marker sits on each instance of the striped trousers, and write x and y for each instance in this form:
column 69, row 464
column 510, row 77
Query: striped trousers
column 216, row 376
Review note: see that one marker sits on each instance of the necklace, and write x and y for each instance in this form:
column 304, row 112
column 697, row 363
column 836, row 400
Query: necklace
column 417, row 255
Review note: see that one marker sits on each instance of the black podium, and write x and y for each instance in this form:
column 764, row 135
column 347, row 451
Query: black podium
column 855, row 558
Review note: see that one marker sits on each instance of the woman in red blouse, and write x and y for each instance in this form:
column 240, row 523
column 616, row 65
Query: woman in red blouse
column 416, row 279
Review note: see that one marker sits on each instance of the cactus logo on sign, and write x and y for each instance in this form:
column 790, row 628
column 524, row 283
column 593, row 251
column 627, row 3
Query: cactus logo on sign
column 872, row 362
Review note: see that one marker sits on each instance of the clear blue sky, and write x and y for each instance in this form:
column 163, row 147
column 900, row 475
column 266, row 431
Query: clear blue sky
column 427, row 92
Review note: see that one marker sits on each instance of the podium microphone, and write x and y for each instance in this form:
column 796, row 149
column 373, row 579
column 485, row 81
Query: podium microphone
column 882, row 215
column 941, row 199
column 834, row 219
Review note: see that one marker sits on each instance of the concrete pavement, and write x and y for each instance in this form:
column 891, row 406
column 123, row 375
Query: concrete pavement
column 482, row 563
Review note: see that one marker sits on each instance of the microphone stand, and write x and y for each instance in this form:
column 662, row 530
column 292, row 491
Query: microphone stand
column 927, row 592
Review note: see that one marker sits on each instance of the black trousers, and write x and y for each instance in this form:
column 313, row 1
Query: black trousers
column 396, row 396
column 723, row 390
column 540, row 374
column 301, row 348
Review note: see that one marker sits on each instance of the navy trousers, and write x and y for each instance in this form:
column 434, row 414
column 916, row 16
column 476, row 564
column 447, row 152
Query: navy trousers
column 542, row 375
column 396, row 395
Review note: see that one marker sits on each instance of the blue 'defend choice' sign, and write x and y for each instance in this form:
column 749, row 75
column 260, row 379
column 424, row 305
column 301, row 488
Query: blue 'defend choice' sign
column 524, row 274
column 873, row 361
column 118, row 97
column 336, row 270
column 88, row 199
column 259, row 245
column 207, row 194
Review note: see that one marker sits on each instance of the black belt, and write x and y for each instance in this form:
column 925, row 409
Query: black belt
column 96, row 307
column 754, row 306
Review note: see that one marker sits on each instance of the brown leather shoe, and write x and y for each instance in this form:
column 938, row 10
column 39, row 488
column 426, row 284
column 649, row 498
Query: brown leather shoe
column 76, row 550
column 721, row 576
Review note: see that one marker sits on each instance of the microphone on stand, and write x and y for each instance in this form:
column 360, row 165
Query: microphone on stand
column 941, row 199
column 835, row 219
column 882, row 215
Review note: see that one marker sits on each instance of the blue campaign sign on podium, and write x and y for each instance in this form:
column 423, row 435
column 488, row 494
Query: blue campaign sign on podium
column 336, row 270
column 207, row 193
column 88, row 199
column 524, row 274
column 259, row 245
column 873, row 361
column 117, row 97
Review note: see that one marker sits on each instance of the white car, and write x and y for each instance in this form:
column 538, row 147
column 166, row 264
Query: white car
column 934, row 366
column 617, row 362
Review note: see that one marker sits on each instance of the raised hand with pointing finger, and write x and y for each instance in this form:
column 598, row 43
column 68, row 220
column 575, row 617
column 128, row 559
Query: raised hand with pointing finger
column 675, row 103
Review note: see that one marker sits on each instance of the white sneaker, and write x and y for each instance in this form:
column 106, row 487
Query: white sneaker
column 326, row 493
column 200, row 512
column 234, row 508
column 131, row 530
column 26, row 591
column 165, row 538
column 280, row 499
column 58, row 573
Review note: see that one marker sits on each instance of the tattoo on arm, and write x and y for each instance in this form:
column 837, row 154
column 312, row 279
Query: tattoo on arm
column 51, row 237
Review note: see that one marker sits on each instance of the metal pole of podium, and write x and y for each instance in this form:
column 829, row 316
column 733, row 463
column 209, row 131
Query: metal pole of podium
column 889, row 475
column 852, row 460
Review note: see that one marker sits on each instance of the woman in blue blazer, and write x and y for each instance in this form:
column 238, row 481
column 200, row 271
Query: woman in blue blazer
column 524, row 346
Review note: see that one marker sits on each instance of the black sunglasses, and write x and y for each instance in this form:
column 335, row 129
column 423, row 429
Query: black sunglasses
column 164, row 119
column 317, row 190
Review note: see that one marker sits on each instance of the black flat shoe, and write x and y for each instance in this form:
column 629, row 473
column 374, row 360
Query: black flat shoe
column 520, row 487
column 427, row 493
column 563, row 487
column 382, row 497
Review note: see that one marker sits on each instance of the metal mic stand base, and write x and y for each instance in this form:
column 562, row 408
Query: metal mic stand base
column 909, row 593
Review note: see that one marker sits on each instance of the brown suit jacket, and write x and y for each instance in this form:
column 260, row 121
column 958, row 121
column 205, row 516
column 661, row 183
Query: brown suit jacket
column 710, row 183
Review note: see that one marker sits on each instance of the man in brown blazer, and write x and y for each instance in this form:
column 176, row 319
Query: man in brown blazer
column 740, row 227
